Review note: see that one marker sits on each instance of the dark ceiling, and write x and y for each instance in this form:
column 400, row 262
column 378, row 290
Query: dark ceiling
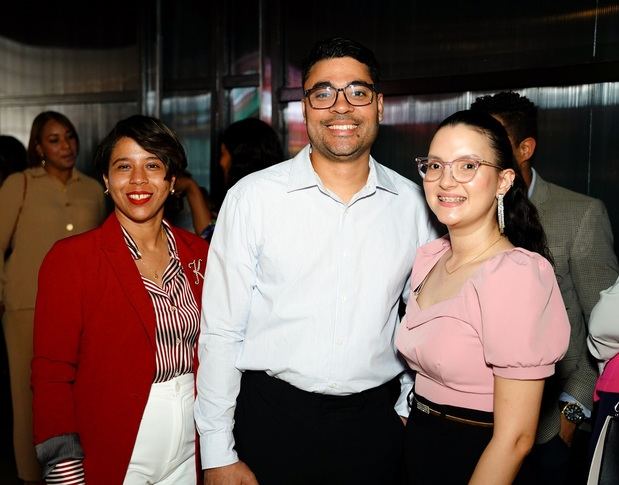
column 87, row 24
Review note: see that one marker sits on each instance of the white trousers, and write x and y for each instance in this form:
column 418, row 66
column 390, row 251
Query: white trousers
column 164, row 451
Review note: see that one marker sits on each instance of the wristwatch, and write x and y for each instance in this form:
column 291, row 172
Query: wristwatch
column 572, row 412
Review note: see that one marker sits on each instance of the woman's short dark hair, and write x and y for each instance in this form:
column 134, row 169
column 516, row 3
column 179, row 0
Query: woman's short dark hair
column 336, row 47
column 522, row 225
column 37, row 129
column 253, row 145
column 152, row 135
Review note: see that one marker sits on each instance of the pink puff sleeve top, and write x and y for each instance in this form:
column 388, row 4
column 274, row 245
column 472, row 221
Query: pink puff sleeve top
column 508, row 320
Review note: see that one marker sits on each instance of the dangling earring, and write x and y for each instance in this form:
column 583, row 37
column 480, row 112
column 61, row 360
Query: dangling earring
column 106, row 191
column 172, row 191
column 500, row 209
column 42, row 162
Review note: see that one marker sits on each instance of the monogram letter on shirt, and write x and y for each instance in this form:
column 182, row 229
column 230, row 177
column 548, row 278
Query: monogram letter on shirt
column 195, row 267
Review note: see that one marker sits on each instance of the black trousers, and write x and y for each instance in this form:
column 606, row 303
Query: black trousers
column 556, row 463
column 292, row 437
column 439, row 451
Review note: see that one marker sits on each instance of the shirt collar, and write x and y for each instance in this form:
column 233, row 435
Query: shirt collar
column 533, row 180
column 133, row 247
column 39, row 171
column 303, row 176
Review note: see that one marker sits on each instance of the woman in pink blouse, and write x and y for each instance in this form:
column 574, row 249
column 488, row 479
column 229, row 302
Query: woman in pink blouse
column 485, row 323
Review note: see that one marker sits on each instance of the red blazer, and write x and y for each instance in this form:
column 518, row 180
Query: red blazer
column 94, row 345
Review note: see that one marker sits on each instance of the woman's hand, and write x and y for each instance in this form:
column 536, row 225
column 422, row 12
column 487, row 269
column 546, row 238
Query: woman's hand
column 200, row 213
column 235, row 474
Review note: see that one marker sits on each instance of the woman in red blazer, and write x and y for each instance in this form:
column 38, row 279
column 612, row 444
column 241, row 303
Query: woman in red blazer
column 116, row 324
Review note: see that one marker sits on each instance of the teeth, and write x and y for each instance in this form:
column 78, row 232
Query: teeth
column 342, row 127
column 451, row 199
column 139, row 196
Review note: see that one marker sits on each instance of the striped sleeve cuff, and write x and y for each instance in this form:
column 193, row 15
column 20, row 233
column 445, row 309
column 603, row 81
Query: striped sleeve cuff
column 70, row 472
column 59, row 449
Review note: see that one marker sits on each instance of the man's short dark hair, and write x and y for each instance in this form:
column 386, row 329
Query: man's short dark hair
column 517, row 112
column 336, row 47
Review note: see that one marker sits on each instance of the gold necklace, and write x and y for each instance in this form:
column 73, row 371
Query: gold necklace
column 471, row 260
column 154, row 271
column 143, row 263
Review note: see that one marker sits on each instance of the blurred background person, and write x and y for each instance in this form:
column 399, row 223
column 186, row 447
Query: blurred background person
column 485, row 323
column 116, row 325
column 603, row 342
column 246, row 146
column 47, row 202
column 188, row 207
column 13, row 156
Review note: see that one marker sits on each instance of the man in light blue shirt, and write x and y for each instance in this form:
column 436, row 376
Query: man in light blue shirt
column 299, row 380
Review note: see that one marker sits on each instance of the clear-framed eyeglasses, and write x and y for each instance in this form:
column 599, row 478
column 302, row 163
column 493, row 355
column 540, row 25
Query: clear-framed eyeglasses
column 324, row 96
column 463, row 169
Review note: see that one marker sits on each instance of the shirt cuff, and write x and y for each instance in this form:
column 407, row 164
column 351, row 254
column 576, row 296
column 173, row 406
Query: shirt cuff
column 569, row 398
column 58, row 449
column 70, row 472
column 402, row 405
column 217, row 450
column 524, row 373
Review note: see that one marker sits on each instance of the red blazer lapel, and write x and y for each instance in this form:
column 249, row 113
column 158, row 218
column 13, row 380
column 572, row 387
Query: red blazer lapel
column 128, row 276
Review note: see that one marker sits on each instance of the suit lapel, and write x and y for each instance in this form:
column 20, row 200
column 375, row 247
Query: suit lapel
column 128, row 276
column 541, row 191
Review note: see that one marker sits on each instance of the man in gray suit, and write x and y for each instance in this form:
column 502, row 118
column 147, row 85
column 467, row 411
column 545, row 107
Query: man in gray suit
column 581, row 242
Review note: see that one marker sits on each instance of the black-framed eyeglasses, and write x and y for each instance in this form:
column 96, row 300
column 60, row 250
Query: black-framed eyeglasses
column 463, row 169
column 324, row 96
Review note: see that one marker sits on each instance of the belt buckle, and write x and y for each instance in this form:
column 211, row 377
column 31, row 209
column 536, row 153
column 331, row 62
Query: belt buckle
column 422, row 407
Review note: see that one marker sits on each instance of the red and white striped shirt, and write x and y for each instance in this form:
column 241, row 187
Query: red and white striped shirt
column 176, row 313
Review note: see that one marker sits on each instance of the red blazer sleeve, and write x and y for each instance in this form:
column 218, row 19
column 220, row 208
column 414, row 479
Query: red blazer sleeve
column 57, row 328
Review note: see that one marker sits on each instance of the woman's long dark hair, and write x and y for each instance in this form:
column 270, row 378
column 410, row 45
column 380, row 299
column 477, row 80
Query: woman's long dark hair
column 522, row 225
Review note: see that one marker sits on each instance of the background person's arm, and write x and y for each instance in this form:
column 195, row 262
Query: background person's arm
column 11, row 197
column 200, row 212
column 593, row 268
column 603, row 339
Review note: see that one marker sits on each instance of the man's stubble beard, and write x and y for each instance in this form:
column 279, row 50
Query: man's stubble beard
column 345, row 154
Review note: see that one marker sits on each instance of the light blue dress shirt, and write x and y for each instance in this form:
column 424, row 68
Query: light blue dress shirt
column 306, row 288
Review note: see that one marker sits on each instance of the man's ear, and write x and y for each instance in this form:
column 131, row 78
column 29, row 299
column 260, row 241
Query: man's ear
column 526, row 149
column 379, row 101
column 303, row 111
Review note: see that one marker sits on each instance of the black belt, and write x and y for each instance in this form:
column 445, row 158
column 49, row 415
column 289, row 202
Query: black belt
column 385, row 394
column 444, row 413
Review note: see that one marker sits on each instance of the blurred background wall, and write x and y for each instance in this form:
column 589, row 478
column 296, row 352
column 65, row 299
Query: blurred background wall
column 201, row 65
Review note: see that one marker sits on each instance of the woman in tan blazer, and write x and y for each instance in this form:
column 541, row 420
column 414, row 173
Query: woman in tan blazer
column 45, row 203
